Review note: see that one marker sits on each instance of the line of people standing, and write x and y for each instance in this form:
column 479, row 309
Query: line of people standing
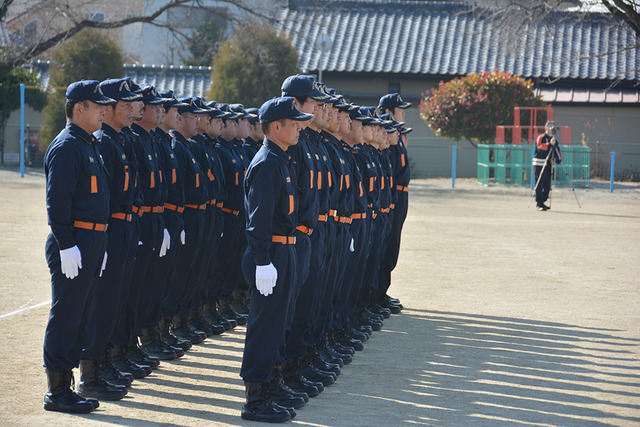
column 153, row 243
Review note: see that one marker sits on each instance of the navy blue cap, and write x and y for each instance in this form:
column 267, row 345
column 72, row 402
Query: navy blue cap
column 199, row 102
column 87, row 90
column 215, row 112
column 357, row 115
column 171, row 99
column 133, row 86
column 190, row 107
column 227, row 109
column 387, row 118
column 403, row 130
column 391, row 101
column 253, row 112
column 239, row 109
column 150, row 96
column 281, row 108
column 303, row 85
column 119, row 90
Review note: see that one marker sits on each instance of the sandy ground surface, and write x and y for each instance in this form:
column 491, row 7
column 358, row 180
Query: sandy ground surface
column 513, row 317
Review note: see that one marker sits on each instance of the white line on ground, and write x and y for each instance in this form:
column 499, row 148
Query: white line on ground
column 2, row 316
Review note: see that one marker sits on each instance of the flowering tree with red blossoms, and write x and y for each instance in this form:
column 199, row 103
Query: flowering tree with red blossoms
column 471, row 107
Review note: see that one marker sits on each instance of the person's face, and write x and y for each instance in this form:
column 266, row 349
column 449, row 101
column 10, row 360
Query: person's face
column 367, row 133
column 356, row 132
column 215, row 128
column 332, row 119
column 320, row 115
column 170, row 119
column 138, row 110
column 243, row 128
column 285, row 133
column 160, row 112
column 345, row 123
column 398, row 114
column 188, row 124
column 229, row 130
column 256, row 131
column 88, row 116
column 203, row 123
column 123, row 114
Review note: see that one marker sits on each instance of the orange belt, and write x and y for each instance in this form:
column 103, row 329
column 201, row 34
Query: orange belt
column 136, row 210
column 333, row 212
column 362, row 215
column 285, row 240
column 173, row 207
column 152, row 209
column 374, row 215
column 385, row 210
column 402, row 188
column 121, row 215
column 218, row 204
column 90, row 225
column 212, row 202
column 392, row 206
column 306, row 230
column 323, row 218
column 227, row 210
column 200, row 207
column 342, row 219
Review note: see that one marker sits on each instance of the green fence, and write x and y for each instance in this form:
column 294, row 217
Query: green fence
column 511, row 165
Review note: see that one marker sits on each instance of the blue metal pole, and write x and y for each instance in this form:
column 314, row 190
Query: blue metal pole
column 454, row 155
column 613, row 167
column 533, row 180
column 22, row 88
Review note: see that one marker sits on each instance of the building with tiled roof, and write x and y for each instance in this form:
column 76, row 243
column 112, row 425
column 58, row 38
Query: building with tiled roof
column 585, row 65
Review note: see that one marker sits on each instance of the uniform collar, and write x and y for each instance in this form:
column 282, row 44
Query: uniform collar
column 114, row 134
column 80, row 133
column 179, row 137
column 277, row 150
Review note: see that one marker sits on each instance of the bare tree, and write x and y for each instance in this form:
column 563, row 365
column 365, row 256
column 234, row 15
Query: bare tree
column 70, row 21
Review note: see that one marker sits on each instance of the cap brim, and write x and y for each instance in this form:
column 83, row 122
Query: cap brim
column 175, row 103
column 154, row 101
column 320, row 96
column 359, row 117
column 404, row 105
column 103, row 100
column 405, row 131
column 300, row 117
column 218, row 114
column 131, row 97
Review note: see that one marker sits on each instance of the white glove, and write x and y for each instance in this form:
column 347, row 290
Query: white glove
column 166, row 243
column 104, row 263
column 266, row 277
column 70, row 261
column 183, row 237
column 140, row 243
column 351, row 247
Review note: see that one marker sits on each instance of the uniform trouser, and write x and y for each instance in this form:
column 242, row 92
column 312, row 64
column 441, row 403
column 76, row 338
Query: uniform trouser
column 71, row 299
column 371, row 264
column 385, row 229
column 229, row 256
column 544, row 186
column 268, row 318
column 390, row 256
column 200, row 264
column 315, row 285
column 210, row 290
column 111, row 288
column 342, row 241
column 124, row 318
column 193, row 224
column 345, row 302
column 162, row 268
column 322, row 280
column 303, row 291
column 143, row 288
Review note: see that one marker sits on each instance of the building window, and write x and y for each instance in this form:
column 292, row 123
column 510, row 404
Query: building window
column 96, row 16
column 394, row 87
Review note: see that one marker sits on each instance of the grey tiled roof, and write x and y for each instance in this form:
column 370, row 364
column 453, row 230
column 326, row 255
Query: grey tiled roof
column 183, row 80
column 446, row 38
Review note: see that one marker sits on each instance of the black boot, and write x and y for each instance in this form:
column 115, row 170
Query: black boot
column 150, row 343
column 200, row 322
column 213, row 317
column 182, row 330
column 61, row 398
column 135, row 355
column 110, row 374
column 118, row 357
column 238, row 303
column 260, row 407
column 226, row 311
column 320, row 363
column 164, row 327
column 92, row 385
column 297, row 382
column 282, row 394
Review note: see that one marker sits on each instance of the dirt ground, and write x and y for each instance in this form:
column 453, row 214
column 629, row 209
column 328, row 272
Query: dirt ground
column 512, row 317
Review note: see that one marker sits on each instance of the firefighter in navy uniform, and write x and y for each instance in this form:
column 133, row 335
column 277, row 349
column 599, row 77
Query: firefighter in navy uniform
column 547, row 152
column 269, row 263
column 112, row 289
column 77, row 195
